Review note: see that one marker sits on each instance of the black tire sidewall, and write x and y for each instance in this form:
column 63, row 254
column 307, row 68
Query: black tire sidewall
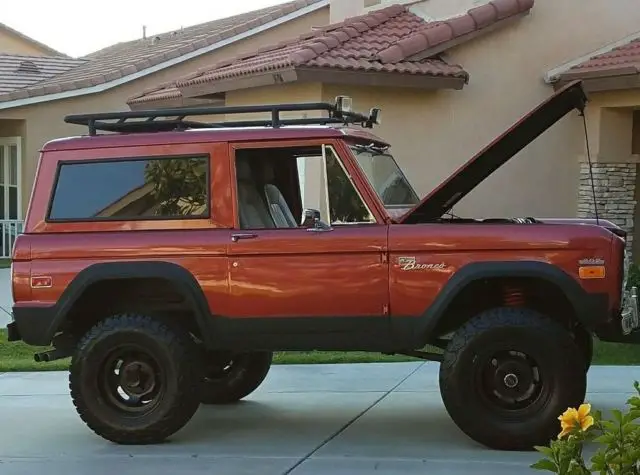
column 168, row 346
column 243, row 380
column 561, row 366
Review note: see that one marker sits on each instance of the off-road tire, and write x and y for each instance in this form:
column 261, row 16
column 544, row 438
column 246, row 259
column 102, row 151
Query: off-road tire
column 240, row 381
column 174, row 352
column 584, row 340
column 469, row 403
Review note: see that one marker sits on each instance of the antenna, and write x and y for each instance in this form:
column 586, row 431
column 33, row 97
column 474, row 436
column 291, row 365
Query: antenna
column 593, row 186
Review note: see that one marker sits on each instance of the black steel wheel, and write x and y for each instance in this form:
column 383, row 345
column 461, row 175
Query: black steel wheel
column 508, row 374
column 230, row 377
column 133, row 379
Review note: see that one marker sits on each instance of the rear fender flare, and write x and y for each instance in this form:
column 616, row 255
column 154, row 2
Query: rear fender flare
column 580, row 300
column 176, row 274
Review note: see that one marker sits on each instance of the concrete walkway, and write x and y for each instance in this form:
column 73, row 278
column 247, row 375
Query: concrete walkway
column 338, row 419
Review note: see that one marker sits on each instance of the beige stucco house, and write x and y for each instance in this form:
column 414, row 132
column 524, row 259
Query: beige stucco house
column 450, row 75
column 39, row 86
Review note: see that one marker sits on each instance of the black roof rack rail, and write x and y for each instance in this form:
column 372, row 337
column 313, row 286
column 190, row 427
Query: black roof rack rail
column 165, row 120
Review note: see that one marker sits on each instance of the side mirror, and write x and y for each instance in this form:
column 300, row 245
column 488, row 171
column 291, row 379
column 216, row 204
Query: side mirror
column 310, row 218
column 312, row 222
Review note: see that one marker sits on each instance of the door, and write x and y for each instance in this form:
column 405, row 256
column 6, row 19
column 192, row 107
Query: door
column 10, row 192
column 331, row 278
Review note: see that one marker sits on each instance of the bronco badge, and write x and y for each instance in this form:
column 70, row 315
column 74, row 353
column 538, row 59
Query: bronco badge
column 409, row 263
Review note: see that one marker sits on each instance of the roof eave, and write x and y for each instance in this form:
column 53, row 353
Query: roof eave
column 553, row 75
column 10, row 104
column 204, row 90
column 381, row 79
column 625, row 79
column 174, row 103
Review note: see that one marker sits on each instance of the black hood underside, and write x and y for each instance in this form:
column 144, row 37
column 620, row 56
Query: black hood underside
column 497, row 153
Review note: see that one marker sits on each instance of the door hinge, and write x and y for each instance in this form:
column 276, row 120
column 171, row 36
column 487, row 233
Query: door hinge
column 385, row 258
column 385, row 309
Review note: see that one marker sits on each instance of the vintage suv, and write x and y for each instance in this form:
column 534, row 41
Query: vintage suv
column 171, row 257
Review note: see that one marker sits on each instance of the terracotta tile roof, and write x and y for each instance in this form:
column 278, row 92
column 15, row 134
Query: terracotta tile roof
column 18, row 72
column 382, row 41
column 621, row 60
column 49, row 50
column 127, row 58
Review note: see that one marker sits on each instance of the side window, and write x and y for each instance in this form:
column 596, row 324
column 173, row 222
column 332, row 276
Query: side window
column 132, row 189
column 328, row 188
column 275, row 186
column 346, row 206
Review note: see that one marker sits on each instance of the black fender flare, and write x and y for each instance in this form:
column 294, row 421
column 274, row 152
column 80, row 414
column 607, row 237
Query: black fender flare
column 589, row 308
column 176, row 274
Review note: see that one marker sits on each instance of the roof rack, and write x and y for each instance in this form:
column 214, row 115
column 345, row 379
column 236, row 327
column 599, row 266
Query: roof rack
column 164, row 120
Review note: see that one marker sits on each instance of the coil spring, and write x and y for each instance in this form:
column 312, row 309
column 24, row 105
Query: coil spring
column 513, row 296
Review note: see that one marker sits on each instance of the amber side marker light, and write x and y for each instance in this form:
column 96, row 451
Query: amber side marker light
column 591, row 272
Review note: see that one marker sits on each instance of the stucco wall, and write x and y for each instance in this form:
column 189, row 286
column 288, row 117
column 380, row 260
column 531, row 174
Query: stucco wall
column 12, row 44
column 434, row 133
column 635, row 140
column 45, row 121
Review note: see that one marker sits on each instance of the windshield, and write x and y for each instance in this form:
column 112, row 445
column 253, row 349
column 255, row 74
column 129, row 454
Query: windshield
column 385, row 176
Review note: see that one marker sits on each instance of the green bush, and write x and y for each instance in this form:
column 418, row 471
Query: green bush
column 634, row 276
column 617, row 440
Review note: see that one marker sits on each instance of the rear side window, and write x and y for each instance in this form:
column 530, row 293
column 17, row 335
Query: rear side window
column 132, row 189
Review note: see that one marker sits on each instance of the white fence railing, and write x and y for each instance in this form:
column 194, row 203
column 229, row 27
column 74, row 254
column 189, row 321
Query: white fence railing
column 9, row 230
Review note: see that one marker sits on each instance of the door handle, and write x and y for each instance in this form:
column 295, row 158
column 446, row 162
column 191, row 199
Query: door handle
column 237, row 237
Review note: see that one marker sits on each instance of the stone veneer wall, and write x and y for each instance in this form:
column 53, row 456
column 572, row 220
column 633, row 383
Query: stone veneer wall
column 615, row 187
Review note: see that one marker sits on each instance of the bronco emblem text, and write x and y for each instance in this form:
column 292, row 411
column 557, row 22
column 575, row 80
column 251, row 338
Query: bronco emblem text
column 409, row 263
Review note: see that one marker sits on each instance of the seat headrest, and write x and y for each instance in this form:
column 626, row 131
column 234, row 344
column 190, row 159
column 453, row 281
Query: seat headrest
column 243, row 170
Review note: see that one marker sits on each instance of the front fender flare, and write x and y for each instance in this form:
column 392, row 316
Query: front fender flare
column 589, row 308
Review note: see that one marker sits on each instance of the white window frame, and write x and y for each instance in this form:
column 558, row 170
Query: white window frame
column 332, row 150
column 6, row 143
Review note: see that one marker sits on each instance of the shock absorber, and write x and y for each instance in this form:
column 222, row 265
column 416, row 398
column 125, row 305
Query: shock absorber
column 513, row 296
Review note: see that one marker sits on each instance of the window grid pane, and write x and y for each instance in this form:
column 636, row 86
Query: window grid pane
column 13, row 164
column 2, row 156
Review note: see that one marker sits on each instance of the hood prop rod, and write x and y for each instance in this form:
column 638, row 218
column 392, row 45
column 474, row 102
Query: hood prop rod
column 593, row 185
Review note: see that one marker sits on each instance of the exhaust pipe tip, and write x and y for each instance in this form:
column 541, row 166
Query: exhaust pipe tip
column 41, row 357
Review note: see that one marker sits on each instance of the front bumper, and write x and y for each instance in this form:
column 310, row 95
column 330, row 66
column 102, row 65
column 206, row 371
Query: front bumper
column 630, row 320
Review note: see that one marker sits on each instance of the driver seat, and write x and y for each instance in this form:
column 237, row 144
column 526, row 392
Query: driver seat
column 252, row 208
column 278, row 207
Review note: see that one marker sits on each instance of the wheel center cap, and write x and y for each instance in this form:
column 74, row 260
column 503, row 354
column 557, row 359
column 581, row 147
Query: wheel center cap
column 138, row 378
column 511, row 380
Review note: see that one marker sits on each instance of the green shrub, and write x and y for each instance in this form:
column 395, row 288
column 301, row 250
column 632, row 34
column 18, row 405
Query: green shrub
column 617, row 441
column 634, row 276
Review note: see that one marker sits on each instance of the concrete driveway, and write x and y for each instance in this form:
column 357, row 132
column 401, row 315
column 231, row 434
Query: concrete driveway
column 338, row 419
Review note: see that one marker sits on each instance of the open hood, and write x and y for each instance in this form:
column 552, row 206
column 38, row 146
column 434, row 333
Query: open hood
column 497, row 153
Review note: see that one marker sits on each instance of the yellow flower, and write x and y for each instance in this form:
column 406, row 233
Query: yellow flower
column 573, row 419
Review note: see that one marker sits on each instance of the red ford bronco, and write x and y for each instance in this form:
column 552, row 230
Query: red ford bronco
column 170, row 258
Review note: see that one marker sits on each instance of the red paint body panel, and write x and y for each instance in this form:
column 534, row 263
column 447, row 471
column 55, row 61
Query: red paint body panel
column 293, row 272
column 64, row 256
column 206, row 136
column 456, row 245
